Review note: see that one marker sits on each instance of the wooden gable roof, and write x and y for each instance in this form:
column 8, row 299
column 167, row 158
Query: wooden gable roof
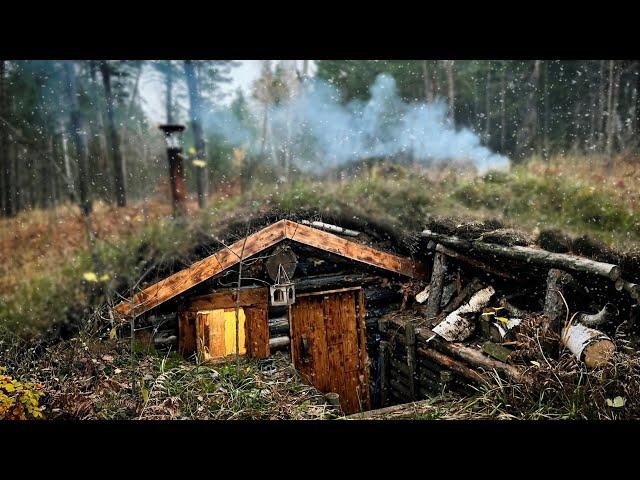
column 229, row 256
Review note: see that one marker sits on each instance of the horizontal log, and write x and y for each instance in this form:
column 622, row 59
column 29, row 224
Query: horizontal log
column 332, row 280
column 452, row 365
column 405, row 407
column 473, row 262
column 472, row 357
column 400, row 377
column 398, row 365
column 278, row 326
column 400, row 390
column 529, row 255
column 430, row 373
column 170, row 340
column 279, row 342
column 633, row 289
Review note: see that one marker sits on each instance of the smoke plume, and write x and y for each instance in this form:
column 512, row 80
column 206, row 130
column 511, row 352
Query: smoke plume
column 318, row 132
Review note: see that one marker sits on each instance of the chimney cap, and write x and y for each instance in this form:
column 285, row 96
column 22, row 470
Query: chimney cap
column 171, row 127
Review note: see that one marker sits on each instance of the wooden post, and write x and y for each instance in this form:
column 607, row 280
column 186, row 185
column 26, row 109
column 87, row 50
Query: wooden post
column 410, row 338
column 437, row 284
column 383, row 365
column 554, row 306
column 176, row 180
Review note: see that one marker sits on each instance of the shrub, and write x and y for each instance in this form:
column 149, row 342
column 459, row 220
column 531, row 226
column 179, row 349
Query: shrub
column 18, row 400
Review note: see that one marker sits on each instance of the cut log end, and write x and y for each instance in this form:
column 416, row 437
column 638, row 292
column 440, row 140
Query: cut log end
column 599, row 353
column 591, row 346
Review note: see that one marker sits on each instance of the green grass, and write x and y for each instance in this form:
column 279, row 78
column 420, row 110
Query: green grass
column 521, row 198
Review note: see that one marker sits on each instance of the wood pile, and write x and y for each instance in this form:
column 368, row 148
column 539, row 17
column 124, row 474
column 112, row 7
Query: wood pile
column 497, row 309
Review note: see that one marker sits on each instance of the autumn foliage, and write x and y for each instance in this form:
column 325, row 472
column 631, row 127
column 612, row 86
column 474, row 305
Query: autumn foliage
column 19, row 400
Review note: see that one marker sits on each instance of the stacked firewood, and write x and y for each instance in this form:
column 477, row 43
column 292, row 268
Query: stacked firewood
column 496, row 309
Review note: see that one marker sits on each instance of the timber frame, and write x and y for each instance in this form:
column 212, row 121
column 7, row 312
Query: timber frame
column 244, row 248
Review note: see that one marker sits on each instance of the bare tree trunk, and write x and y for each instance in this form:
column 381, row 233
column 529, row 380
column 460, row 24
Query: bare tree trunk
column 265, row 122
column 601, row 108
column 487, row 129
column 5, row 161
column 436, row 78
column 610, row 117
column 637, row 100
column 527, row 133
column 98, row 145
column 169, row 92
column 503, row 108
column 547, row 113
column 428, row 86
column 78, row 133
column 118, row 162
column 451, row 92
column 68, row 173
column 593, row 129
column 617, row 123
column 195, row 111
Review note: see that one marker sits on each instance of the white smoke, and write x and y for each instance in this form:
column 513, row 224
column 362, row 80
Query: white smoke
column 321, row 133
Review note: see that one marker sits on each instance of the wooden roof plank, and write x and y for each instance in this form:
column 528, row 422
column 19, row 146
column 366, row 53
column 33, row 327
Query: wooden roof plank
column 227, row 257
column 202, row 270
column 349, row 249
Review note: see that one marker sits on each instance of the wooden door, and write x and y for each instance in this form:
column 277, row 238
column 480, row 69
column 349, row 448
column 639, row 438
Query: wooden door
column 216, row 333
column 206, row 324
column 328, row 345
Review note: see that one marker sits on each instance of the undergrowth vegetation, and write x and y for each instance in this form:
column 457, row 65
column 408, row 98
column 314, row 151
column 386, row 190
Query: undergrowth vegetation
column 562, row 194
column 58, row 281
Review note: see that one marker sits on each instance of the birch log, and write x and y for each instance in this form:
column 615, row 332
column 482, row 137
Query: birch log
column 499, row 332
column 456, row 327
column 276, row 343
column 608, row 312
column 331, row 228
column 588, row 345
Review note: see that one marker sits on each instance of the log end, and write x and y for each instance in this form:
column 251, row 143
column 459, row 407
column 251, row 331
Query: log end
column 599, row 353
column 614, row 273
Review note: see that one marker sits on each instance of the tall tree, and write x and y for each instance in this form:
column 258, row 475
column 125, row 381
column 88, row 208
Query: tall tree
column 451, row 88
column 119, row 180
column 79, row 135
column 195, row 113
column 99, row 158
column 488, row 93
column 428, row 86
column 528, row 129
column 5, row 161
column 169, row 91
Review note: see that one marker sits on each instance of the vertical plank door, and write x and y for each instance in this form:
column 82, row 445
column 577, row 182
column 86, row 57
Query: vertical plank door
column 328, row 345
